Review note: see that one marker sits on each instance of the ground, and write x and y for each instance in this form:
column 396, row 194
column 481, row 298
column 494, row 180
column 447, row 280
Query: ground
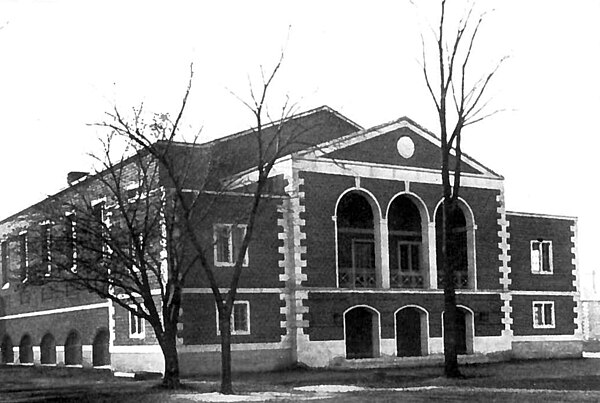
column 530, row 381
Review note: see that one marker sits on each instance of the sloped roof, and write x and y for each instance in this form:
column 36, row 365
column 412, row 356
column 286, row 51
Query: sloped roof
column 335, row 145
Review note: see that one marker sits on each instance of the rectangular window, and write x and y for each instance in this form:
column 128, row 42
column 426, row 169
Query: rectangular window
column 136, row 325
column 98, row 226
column 46, row 247
column 228, row 240
column 541, row 257
column 240, row 318
column 543, row 314
column 5, row 263
column 363, row 254
column 70, row 241
column 23, row 255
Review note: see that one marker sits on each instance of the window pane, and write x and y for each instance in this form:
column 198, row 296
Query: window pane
column 240, row 318
column 223, row 252
column 548, row 314
column 132, row 323
column 404, row 258
column 535, row 257
column 238, row 238
column 537, row 314
column 546, row 256
column 415, row 258
column 364, row 255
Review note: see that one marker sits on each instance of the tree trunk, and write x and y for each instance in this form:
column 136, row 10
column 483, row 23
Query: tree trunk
column 225, row 328
column 450, row 354
column 168, row 345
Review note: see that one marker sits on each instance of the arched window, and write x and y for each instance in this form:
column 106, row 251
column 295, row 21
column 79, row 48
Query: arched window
column 48, row 349
column 412, row 331
column 73, row 349
column 356, row 242
column 100, row 354
column 407, row 268
column 7, row 350
column 460, row 246
column 25, row 350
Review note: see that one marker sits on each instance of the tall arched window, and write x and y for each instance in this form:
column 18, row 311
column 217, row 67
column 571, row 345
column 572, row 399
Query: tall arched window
column 48, row 349
column 407, row 269
column 460, row 247
column 356, row 242
column 26, row 350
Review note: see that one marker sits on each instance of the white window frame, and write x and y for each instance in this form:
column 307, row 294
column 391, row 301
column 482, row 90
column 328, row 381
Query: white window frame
column 542, row 325
column 231, row 258
column 47, row 225
column 24, row 238
column 232, row 319
column 5, row 261
column 73, row 221
column 140, row 332
column 540, row 264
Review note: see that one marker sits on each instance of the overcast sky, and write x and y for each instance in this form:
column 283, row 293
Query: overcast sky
column 65, row 63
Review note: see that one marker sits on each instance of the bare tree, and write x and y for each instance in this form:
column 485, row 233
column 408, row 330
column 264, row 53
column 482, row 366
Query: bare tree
column 459, row 102
column 115, row 234
column 272, row 137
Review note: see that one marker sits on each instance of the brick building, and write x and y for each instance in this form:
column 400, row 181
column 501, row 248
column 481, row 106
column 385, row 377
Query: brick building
column 343, row 265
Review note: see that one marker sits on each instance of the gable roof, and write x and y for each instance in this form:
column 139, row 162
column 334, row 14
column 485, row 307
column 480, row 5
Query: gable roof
column 328, row 149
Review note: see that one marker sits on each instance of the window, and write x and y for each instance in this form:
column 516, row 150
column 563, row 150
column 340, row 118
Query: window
column 23, row 254
column 541, row 257
column 228, row 241
column 136, row 325
column 409, row 267
column 70, row 239
column 5, row 263
column 543, row 314
column 98, row 225
column 46, row 244
column 240, row 318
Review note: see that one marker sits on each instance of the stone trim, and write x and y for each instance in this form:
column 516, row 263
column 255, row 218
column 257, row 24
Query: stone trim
column 504, row 245
column 578, row 309
column 293, row 261
column 507, row 320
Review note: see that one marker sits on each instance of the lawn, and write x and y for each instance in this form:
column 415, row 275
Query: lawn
column 543, row 381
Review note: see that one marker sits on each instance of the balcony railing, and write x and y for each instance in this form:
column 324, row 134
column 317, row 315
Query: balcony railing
column 406, row 280
column 351, row 277
column 461, row 279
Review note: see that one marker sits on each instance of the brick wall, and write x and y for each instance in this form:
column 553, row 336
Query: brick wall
column 200, row 319
column 327, row 312
column 524, row 229
column 523, row 315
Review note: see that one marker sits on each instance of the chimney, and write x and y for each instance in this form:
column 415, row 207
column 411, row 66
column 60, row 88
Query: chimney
column 75, row 176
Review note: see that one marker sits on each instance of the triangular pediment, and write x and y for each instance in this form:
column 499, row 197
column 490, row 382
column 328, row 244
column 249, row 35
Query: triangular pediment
column 401, row 143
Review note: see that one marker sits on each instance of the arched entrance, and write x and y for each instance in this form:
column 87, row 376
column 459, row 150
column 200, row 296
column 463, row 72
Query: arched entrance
column 26, row 350
column 411, row 332
column 356, row 242
column 7, row 350
column 459, row 247
column 100, row 354
column 73, row 349
column 362, row 333
column 461, row 331
column 48, row 349
column 406, row 244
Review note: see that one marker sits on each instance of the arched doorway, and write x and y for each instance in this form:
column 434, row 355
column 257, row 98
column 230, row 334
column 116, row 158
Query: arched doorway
column 406, row 244
column 355, row 242
column 73, row 354
column 461, row 331
column 26, row 350
column 7, row 350
column 48, row 349
column 362, row 333
column 457, row 247
column 411, row 332
column 100, row 354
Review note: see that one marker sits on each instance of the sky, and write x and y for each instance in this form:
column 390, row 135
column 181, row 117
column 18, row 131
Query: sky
column 65, row 64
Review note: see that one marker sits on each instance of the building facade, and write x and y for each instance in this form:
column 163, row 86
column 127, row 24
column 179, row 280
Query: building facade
column 343, row 265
